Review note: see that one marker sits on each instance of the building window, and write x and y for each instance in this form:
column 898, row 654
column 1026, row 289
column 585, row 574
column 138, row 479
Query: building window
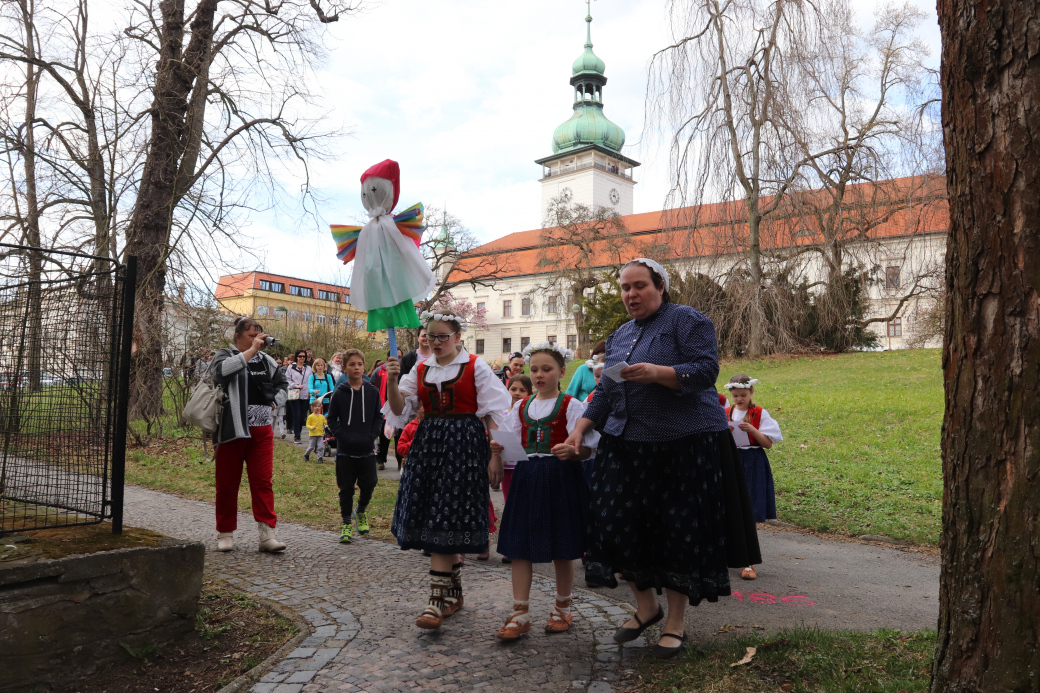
column 334, row 319
column 553, row 305
column 308, row 317
column 294, row 315
column 480, row 346
column 261, row 311
column 277, row 287
column 334, row 296
column 507, row 310
column 572, row 341
column 481, row 305
column 306, row 292
column 321, row 319
column 525, row 306
column 294, row 290
column 891, row 277
column 551, row 338
column 507, row 345
column 524, row 342
column 895, row 328
column 323, row 295
column 590, row 294
column 265, row 285
column 359, row 323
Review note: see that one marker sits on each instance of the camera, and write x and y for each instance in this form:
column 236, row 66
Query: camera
column 271, row 341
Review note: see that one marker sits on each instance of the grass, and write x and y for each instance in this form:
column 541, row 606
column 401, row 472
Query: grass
column 304, row 492
column 860, row 453
column 799, row 660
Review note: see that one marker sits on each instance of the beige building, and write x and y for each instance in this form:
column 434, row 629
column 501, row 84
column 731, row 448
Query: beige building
column 300, row 303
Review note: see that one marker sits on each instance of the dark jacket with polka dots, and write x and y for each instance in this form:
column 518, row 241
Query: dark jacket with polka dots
column 676, row 336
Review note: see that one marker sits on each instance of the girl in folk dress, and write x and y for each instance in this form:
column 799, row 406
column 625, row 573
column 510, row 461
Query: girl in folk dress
column 442, row 501
column 546, row 513
column 762, row 431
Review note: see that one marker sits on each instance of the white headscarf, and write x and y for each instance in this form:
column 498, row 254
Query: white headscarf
column 654, row 265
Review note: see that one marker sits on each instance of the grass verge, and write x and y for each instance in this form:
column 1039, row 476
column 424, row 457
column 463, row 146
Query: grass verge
column 799, row 661
column 860, row 453
column 304, row 492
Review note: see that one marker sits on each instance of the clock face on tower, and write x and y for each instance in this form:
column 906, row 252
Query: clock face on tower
column 566, row 194
column 615, row 196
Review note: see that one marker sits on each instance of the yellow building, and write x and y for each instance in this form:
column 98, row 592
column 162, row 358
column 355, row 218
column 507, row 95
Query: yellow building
column 300, row 304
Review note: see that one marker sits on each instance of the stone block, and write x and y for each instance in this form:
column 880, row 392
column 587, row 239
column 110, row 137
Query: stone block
column 60, row 619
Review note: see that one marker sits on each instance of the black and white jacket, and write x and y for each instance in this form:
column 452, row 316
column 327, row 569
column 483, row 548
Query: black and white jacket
column 230, row 372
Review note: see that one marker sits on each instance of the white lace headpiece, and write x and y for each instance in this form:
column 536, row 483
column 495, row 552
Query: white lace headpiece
column 654, row 265
column 426, row 316
column 741, row 386
column 567, row 354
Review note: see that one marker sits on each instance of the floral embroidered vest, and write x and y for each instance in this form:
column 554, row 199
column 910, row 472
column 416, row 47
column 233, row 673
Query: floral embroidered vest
column 457, row 397
column 540, row 435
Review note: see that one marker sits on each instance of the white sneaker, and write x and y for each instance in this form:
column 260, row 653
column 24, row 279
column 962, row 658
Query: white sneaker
column 225, row 541
column 268, row 538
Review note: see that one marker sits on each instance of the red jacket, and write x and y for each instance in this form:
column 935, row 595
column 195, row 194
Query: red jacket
column 404, row 443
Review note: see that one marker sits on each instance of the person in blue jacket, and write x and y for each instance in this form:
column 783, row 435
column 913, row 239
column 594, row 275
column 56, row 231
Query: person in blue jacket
column 583, row 381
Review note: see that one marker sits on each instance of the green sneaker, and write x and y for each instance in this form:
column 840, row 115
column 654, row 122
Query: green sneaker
column 346, row 534
column 361, row 520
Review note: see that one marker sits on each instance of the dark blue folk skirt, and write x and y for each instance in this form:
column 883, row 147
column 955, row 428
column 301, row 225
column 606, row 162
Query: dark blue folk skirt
column 759, row 483
column 442, row 501
column 547, row 511
column 670, row 515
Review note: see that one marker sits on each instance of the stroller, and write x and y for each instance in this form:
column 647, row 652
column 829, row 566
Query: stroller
column 328, row 441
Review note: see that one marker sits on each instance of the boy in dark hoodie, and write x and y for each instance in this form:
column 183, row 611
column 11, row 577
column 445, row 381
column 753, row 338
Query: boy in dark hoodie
column 355, row 420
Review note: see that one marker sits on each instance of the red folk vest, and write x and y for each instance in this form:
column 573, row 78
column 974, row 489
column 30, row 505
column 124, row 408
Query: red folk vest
column 457, row 397
column 540, row 435
column 753, row 417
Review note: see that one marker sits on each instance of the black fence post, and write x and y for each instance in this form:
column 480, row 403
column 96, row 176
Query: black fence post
column 123, row 395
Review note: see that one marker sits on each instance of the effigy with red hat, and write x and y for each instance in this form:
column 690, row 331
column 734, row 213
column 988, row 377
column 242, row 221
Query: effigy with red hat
column 390, row 272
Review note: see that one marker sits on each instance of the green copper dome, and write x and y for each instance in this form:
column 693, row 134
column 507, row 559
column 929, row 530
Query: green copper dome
column 588, row 126
column 588, row 61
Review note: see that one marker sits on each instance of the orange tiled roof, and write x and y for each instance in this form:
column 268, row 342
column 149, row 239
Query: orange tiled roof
column 236, row 284
column 906, row 206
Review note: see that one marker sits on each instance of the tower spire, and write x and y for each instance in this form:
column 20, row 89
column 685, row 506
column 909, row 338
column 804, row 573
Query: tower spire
column 588, row 26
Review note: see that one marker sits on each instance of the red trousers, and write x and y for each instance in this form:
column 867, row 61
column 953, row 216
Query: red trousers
column 257, row 452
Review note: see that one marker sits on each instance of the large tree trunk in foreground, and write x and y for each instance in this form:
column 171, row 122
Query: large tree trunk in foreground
column 989, row 622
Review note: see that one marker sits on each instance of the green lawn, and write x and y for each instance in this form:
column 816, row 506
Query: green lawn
column 304, row 492
column 801, row 661
column 860, row 453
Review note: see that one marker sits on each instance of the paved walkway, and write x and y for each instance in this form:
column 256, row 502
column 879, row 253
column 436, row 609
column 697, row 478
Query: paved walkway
column 362, row 600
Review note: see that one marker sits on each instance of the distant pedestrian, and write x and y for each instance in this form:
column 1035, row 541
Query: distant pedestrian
column 759, row 431
column 355, row 420
column 298, row 374
column 583, row 382
column 336, row 366
column 315, row 432
column 320, row 383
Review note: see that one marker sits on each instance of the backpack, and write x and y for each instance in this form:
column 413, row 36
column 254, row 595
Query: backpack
column 205, row 407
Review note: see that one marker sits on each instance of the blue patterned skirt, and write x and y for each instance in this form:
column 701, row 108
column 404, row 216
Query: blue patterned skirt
column 759, row 483
column 442, row 501
column 547, row 511
column 672, row 514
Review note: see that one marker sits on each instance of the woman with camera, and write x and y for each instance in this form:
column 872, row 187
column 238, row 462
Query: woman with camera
column 252, row 384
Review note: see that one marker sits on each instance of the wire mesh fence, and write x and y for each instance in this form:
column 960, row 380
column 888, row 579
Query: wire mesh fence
column 63, row 366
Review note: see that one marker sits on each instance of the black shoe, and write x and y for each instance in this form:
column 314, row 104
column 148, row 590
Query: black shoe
column 629, row 634
column 661, row 652
column 506, row 559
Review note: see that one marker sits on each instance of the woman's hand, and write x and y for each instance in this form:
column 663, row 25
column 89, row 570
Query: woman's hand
column 393, row 368
column 256, row 347
column 565, row 451
column 647, row 373
column 495, row 472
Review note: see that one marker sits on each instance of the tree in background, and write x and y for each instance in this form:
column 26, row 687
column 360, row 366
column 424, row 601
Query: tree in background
column 989, row 594
column 605, row 312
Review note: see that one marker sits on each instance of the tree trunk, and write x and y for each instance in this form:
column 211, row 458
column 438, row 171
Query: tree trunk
column 32, row 206
column 989, row 620
column 148, row 236
column 756, row 341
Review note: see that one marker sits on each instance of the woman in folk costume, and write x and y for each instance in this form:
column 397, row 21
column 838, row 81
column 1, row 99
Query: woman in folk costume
column 547, row 509
column 442, row 502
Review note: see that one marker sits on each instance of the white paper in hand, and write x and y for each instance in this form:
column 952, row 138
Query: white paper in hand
column 514, row 450
column 740, row 437
column 614, row 372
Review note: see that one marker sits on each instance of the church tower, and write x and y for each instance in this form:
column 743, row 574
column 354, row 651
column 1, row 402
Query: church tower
column 587, row 165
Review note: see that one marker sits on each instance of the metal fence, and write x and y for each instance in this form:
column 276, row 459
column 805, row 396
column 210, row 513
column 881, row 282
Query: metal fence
column 65, row 332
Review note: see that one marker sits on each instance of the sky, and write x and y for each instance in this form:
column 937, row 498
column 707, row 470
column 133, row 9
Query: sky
column 465, row 95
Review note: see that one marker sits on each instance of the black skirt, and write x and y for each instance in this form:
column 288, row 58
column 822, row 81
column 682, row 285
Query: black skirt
column 442, row 502
column 672, row 515
column 547, row 511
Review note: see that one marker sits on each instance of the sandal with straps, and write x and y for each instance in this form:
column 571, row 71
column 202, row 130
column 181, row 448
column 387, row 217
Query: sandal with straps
column 748, row 573
column 513, row 629
column 431, row 618
column 629, row 634
column 559, row 622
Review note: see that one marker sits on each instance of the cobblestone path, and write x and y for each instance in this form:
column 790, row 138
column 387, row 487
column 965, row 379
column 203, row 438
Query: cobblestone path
column 362, row 600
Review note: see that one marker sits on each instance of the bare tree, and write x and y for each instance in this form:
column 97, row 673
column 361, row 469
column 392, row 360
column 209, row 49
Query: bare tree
column 989, row 590
column 580, row 246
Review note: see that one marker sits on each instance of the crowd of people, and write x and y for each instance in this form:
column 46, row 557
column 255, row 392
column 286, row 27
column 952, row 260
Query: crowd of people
column 639, row 470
